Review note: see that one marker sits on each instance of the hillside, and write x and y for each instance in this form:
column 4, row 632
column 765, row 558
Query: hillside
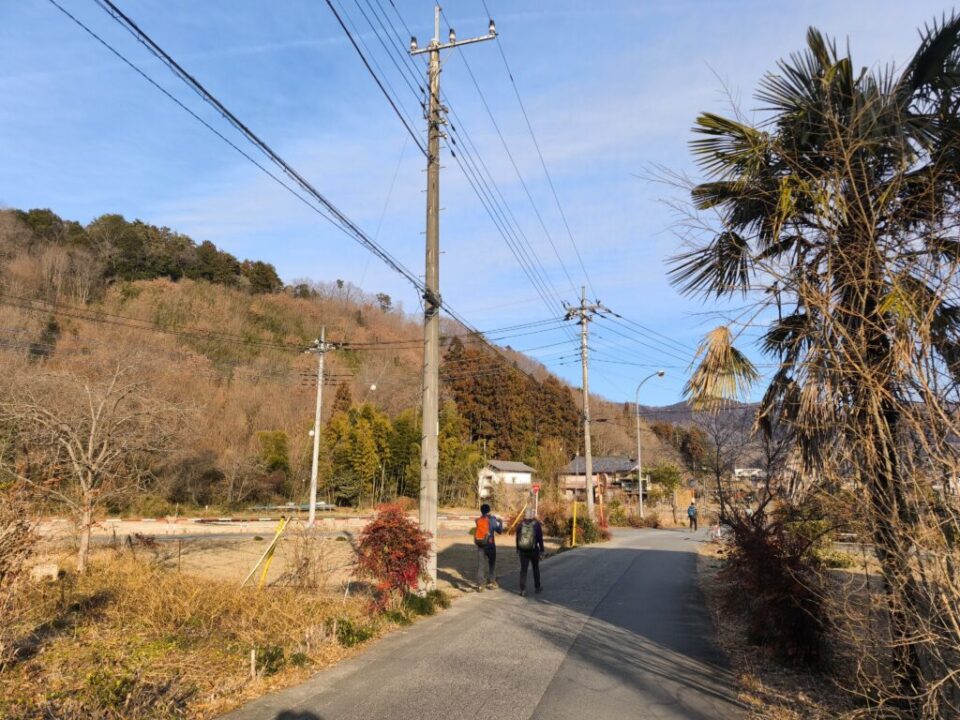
column 222, row 340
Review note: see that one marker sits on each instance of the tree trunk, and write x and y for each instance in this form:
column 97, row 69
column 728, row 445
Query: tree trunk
column 86, row 522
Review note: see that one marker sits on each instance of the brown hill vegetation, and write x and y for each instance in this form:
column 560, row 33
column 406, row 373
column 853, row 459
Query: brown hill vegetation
column 221, row 342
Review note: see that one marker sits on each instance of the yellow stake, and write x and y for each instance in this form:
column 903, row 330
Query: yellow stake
column 270, row 552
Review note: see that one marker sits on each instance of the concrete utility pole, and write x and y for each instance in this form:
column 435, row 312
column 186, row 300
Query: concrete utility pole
column 319, row 347
column 429, row 449
column 658, row 373
column 583, row 313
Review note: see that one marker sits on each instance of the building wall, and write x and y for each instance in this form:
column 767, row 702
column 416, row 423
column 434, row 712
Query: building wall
column 487, row 477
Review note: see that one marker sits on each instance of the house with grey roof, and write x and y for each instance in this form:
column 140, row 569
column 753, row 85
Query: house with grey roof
column 610, row 472
column 504, row 472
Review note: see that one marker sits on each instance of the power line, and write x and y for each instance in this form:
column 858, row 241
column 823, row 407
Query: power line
column 342, row 221
column 513, row 162
column 376, row 79
column 543, row 163
column 339, row 219
column 513, row 235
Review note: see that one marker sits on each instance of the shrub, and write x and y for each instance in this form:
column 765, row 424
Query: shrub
column 617, row 514
column 425, row 604
column 151, row 506
column 349, row 633
column 406, row 504
column 392, row 550
column 835, row 558
column 770, row 569
column 270, row 660
column 554, row 518
column 588, row 531
column 649, row 520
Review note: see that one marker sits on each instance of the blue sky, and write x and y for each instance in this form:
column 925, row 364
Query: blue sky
column 611, row 89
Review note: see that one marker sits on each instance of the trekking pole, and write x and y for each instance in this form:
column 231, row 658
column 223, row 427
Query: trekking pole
column 517, row 519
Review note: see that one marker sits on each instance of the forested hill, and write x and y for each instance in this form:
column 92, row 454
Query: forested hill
column 110, row 248
column 223, row 340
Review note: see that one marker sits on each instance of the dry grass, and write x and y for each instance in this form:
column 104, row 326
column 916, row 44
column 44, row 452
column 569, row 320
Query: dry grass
column 132, row 640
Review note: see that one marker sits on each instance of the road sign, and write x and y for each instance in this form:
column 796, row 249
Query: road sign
column 536, row 488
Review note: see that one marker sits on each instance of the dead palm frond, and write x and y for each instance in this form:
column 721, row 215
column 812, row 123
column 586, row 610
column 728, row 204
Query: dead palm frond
column 723, row 375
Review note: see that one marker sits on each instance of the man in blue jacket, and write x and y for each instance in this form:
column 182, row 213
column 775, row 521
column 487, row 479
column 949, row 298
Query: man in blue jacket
column 530, row 549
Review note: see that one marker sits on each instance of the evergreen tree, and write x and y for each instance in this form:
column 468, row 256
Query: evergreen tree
column 343, row 400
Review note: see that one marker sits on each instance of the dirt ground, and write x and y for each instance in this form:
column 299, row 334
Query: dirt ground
column 233, row 556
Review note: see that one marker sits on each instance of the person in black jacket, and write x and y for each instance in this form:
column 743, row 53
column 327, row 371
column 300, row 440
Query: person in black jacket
column 530, row 549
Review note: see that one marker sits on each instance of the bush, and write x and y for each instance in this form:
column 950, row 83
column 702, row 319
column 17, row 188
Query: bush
column 349, row 633
column 835, row 558
column 771, row 571
column 554, row 519
column 588, row 531
column 617, row 514
column 650, row 520
column 151, row 506
column 425, row 604
column 392, row 551
column 406, row 504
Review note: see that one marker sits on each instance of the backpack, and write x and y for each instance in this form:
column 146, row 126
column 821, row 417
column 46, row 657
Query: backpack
column 483, row 534
column 692, row 511
column 528, row 536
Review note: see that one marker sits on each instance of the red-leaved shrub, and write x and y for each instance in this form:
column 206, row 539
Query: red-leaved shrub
column 392, row 552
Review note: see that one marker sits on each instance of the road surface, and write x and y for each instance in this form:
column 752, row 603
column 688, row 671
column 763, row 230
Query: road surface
column 619, row 632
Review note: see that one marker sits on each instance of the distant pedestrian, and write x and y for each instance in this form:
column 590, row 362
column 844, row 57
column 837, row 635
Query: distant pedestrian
column 487, row 526
column 530, row 549
column 692, row 515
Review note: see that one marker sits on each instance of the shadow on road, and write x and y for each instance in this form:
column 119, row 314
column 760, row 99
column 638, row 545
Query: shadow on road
column 649, row 632
column 619, row 632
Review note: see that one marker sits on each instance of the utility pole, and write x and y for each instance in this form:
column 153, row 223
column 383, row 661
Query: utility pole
column 429, row 449
column 583, row 313
column 320, row 347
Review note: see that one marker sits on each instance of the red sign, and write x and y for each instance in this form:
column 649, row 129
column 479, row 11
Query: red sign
column 536, row 488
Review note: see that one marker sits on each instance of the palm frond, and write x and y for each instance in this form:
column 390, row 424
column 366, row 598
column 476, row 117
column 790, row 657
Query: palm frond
column 722, row 267
column 724, row 374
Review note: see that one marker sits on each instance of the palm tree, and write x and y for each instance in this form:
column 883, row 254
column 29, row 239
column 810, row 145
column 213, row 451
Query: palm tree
column 836, row 218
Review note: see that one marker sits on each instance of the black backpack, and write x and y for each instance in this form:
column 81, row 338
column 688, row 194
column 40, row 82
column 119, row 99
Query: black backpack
column 527, row 535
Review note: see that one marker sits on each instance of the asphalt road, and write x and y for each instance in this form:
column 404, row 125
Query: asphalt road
column 620, row 631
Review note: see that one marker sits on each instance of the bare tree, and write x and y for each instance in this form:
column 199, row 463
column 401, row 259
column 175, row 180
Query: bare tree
column 728, row 436
column 84, row 441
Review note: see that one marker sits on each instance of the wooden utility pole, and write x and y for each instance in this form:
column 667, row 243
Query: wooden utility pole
column 583, row 313
column 429, row 448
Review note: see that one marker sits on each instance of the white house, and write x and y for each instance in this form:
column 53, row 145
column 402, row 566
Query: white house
column 506, row 472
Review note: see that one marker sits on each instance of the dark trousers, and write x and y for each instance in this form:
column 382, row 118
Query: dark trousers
column 529, row 557
column 693, row 523
column 486, row 564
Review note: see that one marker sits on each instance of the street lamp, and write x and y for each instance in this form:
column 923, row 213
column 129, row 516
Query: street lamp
column 658, row 373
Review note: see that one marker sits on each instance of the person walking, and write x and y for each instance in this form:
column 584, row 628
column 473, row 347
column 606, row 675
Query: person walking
column 487, row 526
column 692, row 515
column 530, row 549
